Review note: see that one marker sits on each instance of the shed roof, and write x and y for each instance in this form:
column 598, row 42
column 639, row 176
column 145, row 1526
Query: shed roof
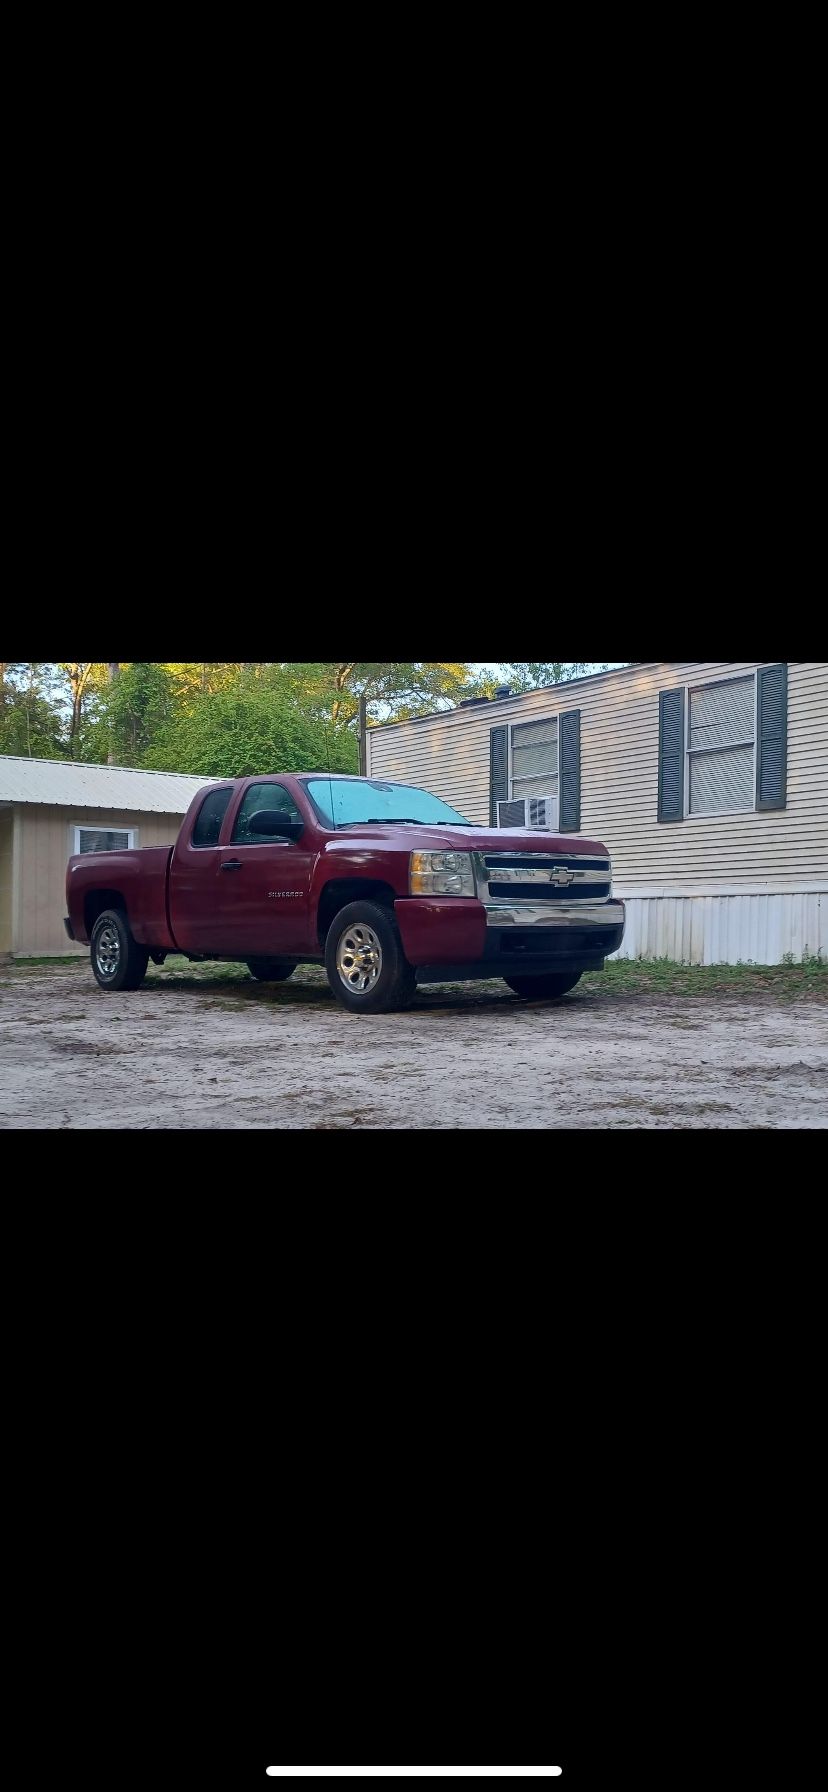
column 75, row 786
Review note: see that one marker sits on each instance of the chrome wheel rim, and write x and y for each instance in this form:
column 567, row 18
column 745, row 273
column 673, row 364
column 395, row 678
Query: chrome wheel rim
column 108, row 950
column 359, row 958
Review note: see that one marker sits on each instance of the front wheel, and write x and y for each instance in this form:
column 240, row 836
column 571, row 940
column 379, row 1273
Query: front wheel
column 543, row 988
column 118, row 962
column 367, row 968
column 270, row 970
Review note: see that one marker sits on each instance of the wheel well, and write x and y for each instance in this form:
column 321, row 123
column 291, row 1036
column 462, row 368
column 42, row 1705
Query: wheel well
column 337, row 895
column 94, row 903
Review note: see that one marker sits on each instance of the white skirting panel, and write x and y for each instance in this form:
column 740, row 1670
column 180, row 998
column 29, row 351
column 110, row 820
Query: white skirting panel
column 726, row 927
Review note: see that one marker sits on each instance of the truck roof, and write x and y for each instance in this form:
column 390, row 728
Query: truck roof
column 342, row 777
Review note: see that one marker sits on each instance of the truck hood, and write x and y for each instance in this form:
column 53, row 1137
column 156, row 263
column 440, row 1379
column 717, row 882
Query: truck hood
column 422, row 838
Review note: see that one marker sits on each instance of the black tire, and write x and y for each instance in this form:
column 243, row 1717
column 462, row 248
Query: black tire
column 270, row 970
column 544, row 988
column 118, row 962
column 368, row 925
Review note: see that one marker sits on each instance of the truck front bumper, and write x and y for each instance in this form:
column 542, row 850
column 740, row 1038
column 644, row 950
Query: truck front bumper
column 69, row 928
column 450, row 939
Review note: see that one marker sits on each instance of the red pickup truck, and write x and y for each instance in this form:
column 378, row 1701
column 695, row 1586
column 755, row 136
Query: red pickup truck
column 384, row 884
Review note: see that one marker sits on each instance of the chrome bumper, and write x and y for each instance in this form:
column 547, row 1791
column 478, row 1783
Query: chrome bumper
column 554, row 914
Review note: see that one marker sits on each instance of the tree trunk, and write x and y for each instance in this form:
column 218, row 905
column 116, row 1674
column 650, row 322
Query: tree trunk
column 74, row 682
column 363, row 732
column 114, row 668
column 78, row 676
column 343, row 673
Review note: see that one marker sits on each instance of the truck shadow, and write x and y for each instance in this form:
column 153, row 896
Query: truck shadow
column 230, row 989
column 239, row 989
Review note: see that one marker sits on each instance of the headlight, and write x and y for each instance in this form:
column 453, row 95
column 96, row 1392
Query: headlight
column 441, row 874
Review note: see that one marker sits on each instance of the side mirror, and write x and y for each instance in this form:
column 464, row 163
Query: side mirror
column 275, row 821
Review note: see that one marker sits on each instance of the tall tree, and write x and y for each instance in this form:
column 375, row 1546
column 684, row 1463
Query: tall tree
column 133, row 709
column 390, row 687
column 247, row 729
column 114, row 669
column 31, row 724
column 207, row 715
column 530, row 675
column 79, row 673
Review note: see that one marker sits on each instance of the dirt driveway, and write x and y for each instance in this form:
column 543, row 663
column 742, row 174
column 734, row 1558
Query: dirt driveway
column 207, row 1047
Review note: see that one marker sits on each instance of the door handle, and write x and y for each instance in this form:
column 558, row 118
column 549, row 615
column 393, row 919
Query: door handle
column 231, row 864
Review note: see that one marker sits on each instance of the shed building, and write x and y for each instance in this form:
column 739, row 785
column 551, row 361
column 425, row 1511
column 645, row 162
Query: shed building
column 50, row 809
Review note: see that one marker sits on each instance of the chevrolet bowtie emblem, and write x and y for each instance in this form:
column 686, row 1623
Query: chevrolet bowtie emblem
column 561, row 876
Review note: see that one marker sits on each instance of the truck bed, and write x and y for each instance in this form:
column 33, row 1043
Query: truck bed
column 139, row 877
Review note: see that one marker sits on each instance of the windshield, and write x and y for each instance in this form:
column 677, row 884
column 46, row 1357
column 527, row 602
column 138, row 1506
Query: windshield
column 370, row 799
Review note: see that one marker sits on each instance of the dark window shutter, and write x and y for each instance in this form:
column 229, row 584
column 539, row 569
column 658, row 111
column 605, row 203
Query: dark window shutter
column 569, row 811
column 498, row 770
column 671, row 756
column 772, row 738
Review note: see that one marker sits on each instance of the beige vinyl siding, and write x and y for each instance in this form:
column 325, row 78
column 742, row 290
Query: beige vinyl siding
column 6, row 832
column 45, row 837
column 787, row 848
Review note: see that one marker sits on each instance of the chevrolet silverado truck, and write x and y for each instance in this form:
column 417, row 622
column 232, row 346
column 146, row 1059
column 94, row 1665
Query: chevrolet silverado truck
column 384, row 884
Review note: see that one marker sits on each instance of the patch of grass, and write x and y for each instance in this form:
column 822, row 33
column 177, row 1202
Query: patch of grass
column 664, row 977
column 65, row 958
column 805, row 980
column 178, row 969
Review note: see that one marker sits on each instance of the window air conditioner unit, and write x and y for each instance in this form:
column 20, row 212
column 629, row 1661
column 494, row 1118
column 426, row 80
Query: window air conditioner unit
column 539, row 812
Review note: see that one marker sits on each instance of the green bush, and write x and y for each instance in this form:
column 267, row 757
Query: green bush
column 236, row 734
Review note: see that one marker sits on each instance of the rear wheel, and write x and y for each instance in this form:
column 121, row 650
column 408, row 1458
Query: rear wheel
column 270, row 970
column 543, row 988
column 367, row 968
column 118, row 962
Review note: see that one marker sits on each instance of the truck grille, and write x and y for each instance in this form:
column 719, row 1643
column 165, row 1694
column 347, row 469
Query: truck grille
column 543, row 877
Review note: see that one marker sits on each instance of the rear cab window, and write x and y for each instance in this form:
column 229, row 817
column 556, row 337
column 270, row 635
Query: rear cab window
column 210, row 817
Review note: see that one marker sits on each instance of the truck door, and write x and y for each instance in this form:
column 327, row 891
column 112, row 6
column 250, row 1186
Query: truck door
column 263, row 883
column 194, row 874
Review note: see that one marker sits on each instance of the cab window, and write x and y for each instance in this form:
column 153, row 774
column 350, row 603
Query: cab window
column 262, row 796
column 210, row 817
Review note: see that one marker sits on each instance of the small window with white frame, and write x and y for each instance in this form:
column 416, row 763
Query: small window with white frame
column 533, row 761
column 720, row 775
column 89, row 839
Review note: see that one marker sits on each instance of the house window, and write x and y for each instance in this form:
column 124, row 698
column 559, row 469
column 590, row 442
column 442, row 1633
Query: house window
column 533, row 764
column 104, row 839
column 721, row 745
